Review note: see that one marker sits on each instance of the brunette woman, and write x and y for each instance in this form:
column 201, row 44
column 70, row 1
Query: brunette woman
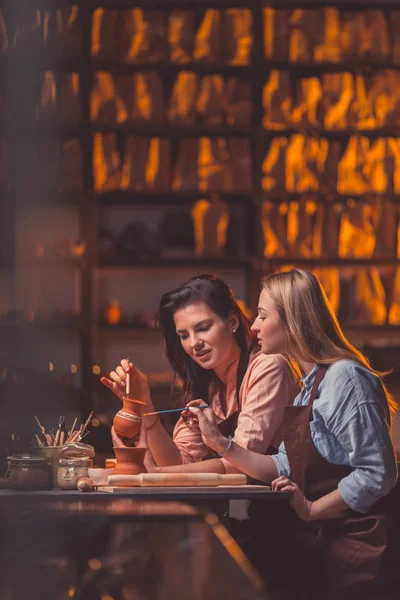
column 209, row 346
column 337, row 455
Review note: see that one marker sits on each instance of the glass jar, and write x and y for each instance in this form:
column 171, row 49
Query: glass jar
column 27, row 472
column 72, row 469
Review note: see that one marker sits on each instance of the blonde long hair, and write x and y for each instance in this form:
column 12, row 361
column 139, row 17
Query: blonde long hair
column 310, row 322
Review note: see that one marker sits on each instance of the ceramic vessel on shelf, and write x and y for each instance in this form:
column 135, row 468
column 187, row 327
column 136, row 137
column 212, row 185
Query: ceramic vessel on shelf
column 127, row 421
column 129, row 461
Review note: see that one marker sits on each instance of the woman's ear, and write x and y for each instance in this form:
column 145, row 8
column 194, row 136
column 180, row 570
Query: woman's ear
column 234, row 322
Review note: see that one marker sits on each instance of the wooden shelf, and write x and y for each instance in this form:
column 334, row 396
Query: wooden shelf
column 198, row 4
column 41, row 131
column 173, row 131
column 341, row 135
column 326, row 196
column 129, row 327
column 35, row 327
column 171, row 68
column 374, row 336
column 308, row 69
column 168, row 198
column 55, row 262
column 331, row 262
column 167, row 4
column 235, row 263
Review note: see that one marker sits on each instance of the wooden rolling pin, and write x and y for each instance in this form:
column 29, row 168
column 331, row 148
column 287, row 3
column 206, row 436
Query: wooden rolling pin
column 176, row 480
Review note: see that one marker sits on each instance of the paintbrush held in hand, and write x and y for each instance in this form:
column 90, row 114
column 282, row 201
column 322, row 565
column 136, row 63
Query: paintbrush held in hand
column 127, row 382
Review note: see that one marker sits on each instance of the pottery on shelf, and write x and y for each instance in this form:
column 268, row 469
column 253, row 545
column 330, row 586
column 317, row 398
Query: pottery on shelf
column 127, row 421
column 129, row 461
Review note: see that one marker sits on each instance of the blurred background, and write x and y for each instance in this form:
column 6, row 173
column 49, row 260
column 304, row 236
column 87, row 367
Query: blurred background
column 143, row 143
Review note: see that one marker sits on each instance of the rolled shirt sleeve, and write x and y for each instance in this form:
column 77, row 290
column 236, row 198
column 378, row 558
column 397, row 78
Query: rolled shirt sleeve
column 353, row 406
column 282, row 462
column 189, row 443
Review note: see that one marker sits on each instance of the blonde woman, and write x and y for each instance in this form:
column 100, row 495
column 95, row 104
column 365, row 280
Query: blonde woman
column 336, row 456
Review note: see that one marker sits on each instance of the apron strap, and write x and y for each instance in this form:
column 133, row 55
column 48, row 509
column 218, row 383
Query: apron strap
column 320, row 374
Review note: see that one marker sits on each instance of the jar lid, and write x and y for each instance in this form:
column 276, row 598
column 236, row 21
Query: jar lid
column 84, row 461
column 28, row 459
column 76, row 450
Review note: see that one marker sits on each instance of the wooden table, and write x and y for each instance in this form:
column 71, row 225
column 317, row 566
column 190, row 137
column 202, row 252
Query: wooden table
column 126, row 544
column 217, row 499
column 192, row 494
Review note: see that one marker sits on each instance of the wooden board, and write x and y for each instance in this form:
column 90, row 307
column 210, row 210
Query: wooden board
column 176, row 480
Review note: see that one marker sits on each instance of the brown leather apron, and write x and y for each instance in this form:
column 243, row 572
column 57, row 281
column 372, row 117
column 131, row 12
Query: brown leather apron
column 344, row 554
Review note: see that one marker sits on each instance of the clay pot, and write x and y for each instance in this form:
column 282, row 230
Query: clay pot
column 127, row 421
column 129, row 461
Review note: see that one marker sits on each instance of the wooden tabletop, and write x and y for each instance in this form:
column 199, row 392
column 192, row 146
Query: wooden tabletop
column 237, row 492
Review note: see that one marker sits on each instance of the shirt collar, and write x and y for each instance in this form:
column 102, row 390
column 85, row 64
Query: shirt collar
column 308, row 380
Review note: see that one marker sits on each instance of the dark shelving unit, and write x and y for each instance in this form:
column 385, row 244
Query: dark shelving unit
column 91, row 201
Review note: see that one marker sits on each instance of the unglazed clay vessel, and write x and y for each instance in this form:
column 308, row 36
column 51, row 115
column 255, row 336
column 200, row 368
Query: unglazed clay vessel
column 129, row 461
column 127, row 421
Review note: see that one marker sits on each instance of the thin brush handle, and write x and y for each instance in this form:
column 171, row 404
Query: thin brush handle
column 128, row 382
column 171, row 410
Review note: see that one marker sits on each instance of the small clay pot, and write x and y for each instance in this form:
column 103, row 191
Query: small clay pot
column 129, row 461
column 127, row 421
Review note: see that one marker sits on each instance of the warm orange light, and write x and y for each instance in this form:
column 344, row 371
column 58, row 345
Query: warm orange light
column 114, row 312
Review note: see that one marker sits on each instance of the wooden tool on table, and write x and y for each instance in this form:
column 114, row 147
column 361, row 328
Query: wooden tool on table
column 177, row 480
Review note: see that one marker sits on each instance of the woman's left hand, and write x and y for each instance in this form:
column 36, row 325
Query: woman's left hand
column 117, row 442
column 149, row 462
column 299, row 502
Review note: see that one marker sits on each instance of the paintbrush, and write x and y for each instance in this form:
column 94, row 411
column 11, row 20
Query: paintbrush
column 127, row 382
column 39, row 441
column 84, row 426
column 58, row 432
column 72, row 429
column 62, row 434
column 42, row 429
column 171, row 410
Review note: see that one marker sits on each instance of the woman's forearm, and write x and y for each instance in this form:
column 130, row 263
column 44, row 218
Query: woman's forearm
column 162, row 447
column 331, row 506
column 213, row 465
column 257, row 466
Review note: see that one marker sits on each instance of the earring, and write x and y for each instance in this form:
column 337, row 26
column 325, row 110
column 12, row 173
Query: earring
column 234, row 330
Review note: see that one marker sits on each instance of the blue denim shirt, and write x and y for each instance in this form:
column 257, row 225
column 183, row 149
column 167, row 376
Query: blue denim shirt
column 350, row 426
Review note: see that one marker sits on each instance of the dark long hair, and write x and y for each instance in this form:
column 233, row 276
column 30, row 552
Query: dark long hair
column 221, row 300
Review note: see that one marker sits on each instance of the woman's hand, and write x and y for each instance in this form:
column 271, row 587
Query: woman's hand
column 207, row 424
column 149, row 462
column 299, row 502
column 117, row 442
column 139, row 387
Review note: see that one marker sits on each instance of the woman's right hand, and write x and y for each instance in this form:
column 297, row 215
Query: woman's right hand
column 139, row 387
column 210, row 433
